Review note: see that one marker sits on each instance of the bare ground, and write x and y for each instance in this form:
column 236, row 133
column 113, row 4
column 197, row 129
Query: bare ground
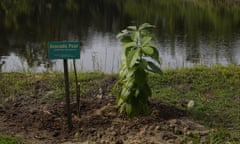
column 38, row 121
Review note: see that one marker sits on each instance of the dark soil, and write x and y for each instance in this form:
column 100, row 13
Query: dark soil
column 37, row 120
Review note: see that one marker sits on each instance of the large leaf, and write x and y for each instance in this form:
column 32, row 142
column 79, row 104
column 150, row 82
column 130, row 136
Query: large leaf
column 119, row 101
column 129, row 83
column 148, row 50
column 130, row 73
column 122, row 33
column 154, row 68
column 146, row 25
column 132, row 57
column 129, row 109
column 143, row 64
column 123, row 71
column 135, row 36
column 145, row 40
column 134, row 28
column 125, row 93
column 126, row 39
column 129, row 44
column 122, row 107
column 129, row 53
column 137, row 92
column 155, row 54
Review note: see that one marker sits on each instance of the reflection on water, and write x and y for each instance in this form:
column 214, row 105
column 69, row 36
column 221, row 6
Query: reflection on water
column 188, row 33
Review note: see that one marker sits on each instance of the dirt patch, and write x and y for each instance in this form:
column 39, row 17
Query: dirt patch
column 99, row 121
column 39, row 121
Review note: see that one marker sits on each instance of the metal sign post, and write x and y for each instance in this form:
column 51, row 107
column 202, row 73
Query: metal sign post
column 68, row 107
column 65, row 50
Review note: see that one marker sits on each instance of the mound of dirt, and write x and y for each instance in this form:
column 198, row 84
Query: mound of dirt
column 38, row 121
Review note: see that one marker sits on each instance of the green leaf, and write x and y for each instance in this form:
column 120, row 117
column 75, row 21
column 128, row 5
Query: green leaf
column 132, row 28
column 129, row 55
column 128, row 108
column 130, row 73
column 122, row 107
column 129, row 83
column 130, row 44
column 137, row 92
column 146, row 25
column 125, row 94
column 148, row 50
column 140, row 78
column 123, row 72
column 143, row 64
column 126, row 39
column 120, row 101
column 146, row 40
column 147, row 91
column 155, row 54
column 122, row 33
column 135, row 36
column 153, row 68
column 134, row 58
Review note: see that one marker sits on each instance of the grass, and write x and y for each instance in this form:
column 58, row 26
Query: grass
column 215, row 91
column 10, row 140
column 13, row 85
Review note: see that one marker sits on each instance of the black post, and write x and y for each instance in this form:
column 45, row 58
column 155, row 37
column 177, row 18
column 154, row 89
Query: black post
column 77, row 88
column 69, row 117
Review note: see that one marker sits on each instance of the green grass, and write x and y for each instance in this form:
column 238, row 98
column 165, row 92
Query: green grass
column 13, row 85
column 215, row 91
column 10, row 140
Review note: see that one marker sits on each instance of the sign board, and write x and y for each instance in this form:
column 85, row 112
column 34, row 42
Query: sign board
column 63, row 50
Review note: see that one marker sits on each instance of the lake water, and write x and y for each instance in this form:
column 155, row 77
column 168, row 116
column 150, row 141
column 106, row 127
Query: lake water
column 188, row 32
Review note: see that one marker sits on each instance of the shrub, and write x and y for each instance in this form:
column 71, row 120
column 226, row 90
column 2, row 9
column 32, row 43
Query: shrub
column 139, row 56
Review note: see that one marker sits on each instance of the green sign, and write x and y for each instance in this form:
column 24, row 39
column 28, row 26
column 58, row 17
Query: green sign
column 63, row 50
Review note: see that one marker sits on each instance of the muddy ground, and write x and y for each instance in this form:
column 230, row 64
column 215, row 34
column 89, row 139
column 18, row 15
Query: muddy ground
column 39, row 121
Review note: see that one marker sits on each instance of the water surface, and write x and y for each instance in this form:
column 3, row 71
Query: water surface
column 188, row 32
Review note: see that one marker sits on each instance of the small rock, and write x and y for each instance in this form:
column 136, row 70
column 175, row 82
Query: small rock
column 99, row 96
column 33, row 111
column 167, row 137
column 99, row 135
column 76, row 135
column 204, row 140
column 56, row 133
column 119, row 141
column 170, row 141
column 173, row 122
column 39, row 137
column 100, row 93
column 157, row 128
column 190, row 104
column 115, row 133
column 204, row 132
column 151, row 134
column 178, row 131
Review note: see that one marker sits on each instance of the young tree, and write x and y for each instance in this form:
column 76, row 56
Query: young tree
column 139, row 56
